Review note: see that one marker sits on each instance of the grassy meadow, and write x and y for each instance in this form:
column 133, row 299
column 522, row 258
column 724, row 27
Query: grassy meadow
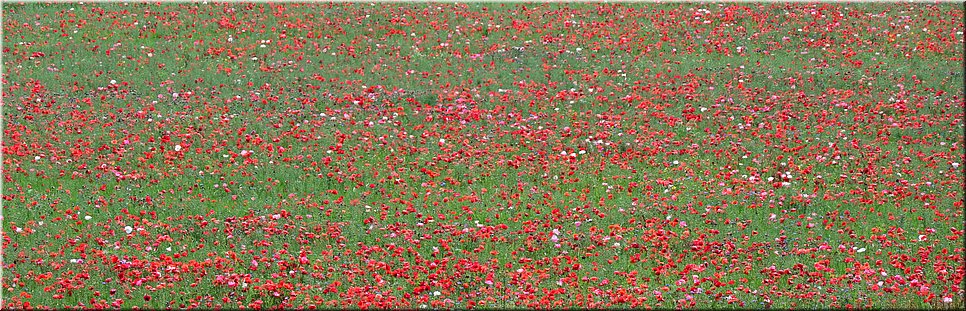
column 482, row 155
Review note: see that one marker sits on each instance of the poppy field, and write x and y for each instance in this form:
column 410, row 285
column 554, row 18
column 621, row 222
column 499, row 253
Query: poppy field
column 483, row 155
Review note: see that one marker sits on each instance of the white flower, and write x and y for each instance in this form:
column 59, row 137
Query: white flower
column 947, row 299
column 128, row 229
column 437, row 293
column 177, row 147
column 175, row 95
column 113, row 81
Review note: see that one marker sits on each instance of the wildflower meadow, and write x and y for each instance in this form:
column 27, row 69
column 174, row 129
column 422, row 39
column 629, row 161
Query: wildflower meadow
column 494, row 155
